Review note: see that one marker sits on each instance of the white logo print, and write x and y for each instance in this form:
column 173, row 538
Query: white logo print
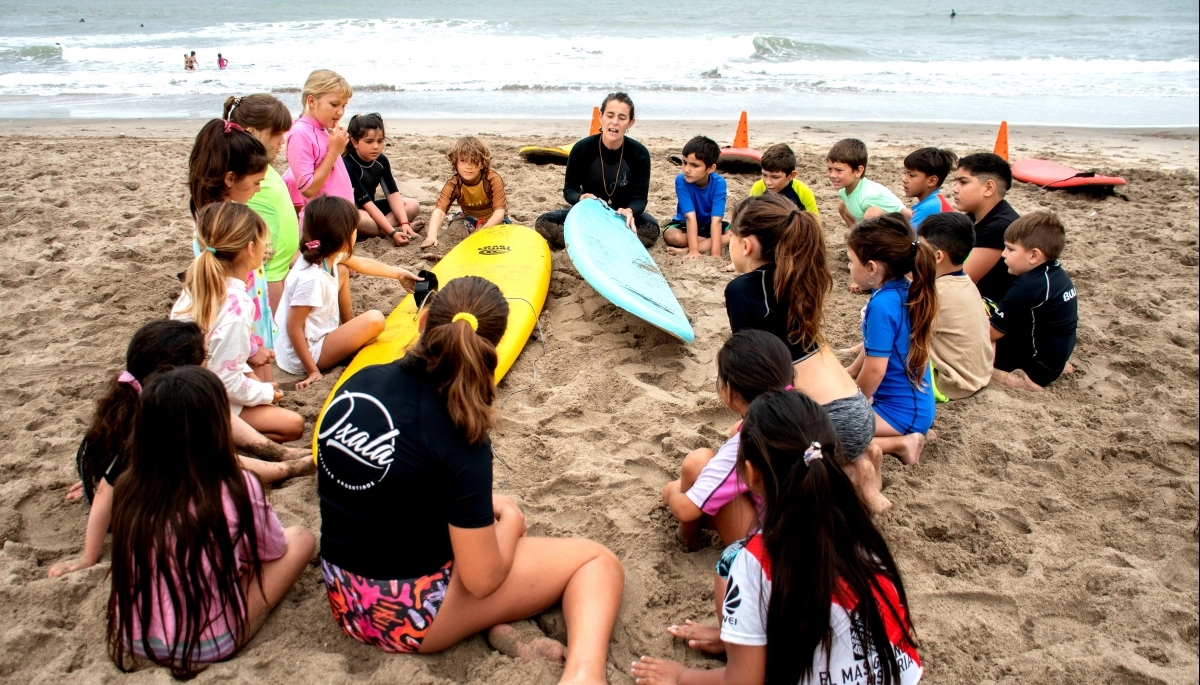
column 373, row 452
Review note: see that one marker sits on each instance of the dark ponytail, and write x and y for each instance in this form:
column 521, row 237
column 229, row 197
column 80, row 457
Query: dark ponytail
column 752, row 362
column 259, row 111
column 329, row 224
column 157, row 346
column 820, row 541
column 791, row 239
column 890, row 241
column 465, row 321
column 361, row 123
column 221, row 147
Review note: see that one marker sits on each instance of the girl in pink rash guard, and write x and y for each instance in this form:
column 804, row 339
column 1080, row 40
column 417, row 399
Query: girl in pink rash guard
column 316, row 141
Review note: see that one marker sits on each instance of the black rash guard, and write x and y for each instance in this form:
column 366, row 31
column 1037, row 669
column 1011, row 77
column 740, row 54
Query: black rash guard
column 586, row 174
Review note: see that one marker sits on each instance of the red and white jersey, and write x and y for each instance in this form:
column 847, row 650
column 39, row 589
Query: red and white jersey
column 748, row 594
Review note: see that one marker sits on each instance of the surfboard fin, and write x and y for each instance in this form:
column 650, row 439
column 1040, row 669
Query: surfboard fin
column 1001, row 147
column 741, row 139
column 595, row 122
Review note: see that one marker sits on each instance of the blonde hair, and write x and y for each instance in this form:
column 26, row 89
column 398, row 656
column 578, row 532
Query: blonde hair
column 223, row 230
column 472, row 150
column 322, row 82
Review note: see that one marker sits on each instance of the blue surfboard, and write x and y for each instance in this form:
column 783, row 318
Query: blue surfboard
column 612, row 260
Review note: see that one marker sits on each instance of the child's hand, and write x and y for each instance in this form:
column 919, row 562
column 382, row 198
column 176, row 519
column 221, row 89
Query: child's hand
column 312, row 378
column 278, row 394
column 855, row 289
column 692, row 255
column 76, row 491
column 407, row 278
column 399, row 238
column 62, row 568
column 338, row 138
column 651, row 671
column 263, row 357
column 586, row 196
column 628, row 214
column 431, row 241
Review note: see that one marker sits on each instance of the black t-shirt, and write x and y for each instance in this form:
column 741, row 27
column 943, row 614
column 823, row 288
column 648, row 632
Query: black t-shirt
column 627, row 169
column 1038, row 317
column 366, row 177
column 750, row 303
column 989, row 233
column 393, row 472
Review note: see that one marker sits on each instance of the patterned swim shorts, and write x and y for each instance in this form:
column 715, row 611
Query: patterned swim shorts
column 393, row 615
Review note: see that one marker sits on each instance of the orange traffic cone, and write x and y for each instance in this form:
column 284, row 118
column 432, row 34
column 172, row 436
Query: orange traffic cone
column 595, row 121
column 1002, row 141
column 741, row 139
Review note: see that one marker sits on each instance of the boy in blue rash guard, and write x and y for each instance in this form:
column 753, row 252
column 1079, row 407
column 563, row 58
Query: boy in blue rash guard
column 1034, row 326
column 924, row 172
column 700, row 210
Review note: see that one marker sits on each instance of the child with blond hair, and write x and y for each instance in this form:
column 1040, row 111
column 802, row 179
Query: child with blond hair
column 316, row 141
column 477, row 189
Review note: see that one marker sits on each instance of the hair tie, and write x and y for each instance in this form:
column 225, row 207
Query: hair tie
column 813, row 452
column 213, row 250
column 312, row 244
column 469, row 318
column 789, row 387
column 129, row 379
column 914, row 247
column 230, row 126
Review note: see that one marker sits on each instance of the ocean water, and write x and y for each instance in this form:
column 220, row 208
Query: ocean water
column 1096, row 63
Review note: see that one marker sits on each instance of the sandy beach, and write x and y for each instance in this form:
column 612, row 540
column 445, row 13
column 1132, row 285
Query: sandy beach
column 1044, row 538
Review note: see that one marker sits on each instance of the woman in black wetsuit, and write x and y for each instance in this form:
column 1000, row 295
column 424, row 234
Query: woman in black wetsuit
column 611, row 168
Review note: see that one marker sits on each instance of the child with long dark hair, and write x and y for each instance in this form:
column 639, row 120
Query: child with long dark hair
column 780, row 252
column 103, row 453
column 749, row 364
column 893, row 367
column 199, row 556
column 816, row 593
column 233, row 242
column 316, row 312
column 369, row 169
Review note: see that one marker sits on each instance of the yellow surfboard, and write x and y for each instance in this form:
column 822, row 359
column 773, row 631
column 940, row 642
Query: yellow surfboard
column 537, row 154
column 515, row 258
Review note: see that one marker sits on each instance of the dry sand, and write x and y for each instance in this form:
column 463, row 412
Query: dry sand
column 1044, row 538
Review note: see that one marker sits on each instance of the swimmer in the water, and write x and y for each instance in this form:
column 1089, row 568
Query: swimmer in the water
column 221, row 61
column 953, row 14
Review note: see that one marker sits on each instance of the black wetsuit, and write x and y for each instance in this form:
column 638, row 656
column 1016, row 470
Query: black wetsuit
column 1038, row 316
column 366, row 177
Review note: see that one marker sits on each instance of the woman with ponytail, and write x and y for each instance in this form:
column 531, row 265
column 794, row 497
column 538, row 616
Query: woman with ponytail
column 232, row 241
column 815, row 596
column 781, row 255
column 406, row 446
column 893, row 367
column 268, row 120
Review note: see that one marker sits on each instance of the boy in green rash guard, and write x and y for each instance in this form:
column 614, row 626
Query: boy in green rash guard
column 779, row 176
column 861, row 198
column 266, row 118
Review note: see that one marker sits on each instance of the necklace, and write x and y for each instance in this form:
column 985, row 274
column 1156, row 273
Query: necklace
column 616, row 174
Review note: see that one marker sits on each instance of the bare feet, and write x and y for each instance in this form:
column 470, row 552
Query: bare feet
column 651, row 671
column 526, row 645
column 699, row 637
column 1069, row 368
column 1016, row 379
column 300, row 467
column 728, row 268
column 866, row 473
column 675, row 251
column 913, row 445
column 417, row 224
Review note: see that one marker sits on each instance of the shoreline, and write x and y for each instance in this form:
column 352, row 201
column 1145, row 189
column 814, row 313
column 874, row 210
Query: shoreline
column 1167, row 148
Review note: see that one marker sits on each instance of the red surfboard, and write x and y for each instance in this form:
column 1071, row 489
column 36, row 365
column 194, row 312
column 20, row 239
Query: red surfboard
column 1056, row 176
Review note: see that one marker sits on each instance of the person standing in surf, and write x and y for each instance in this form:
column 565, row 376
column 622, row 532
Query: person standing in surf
column 611, row 168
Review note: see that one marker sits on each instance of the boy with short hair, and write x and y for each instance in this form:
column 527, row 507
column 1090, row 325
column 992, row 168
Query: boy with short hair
column 925, row 171
column 1035, row 325
column 961, row 348
column 861, row 198
column 980, row 184
column 698, row 225
column 779, row 176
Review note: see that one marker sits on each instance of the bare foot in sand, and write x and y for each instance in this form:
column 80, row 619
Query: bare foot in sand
column 674, row 251
column 651, row 671
column 300, row 467
column 699, row 637
column 866, row 473
column 525, row 645
column 1016, row 379
column 416, row 224
column 908, row 448
column 1069, row 368
column 728, row 268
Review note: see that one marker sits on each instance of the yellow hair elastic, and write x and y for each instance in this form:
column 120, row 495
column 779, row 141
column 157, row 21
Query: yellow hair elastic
column 468, row 317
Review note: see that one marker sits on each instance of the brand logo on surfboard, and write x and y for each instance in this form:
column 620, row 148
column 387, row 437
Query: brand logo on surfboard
column 357, row 441
column 491, row 250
